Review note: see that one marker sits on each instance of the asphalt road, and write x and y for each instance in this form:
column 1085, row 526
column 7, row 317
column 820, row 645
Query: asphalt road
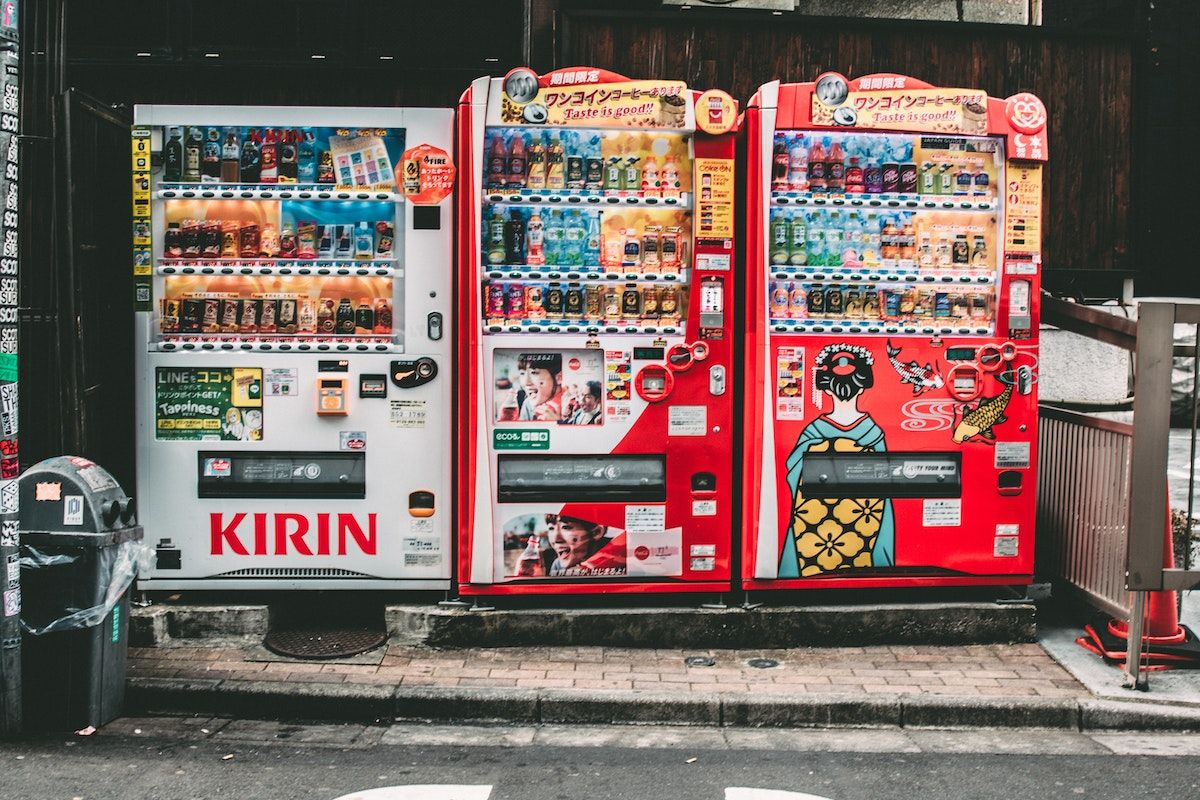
column 166, row 759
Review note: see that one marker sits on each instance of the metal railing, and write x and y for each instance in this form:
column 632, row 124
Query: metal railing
column 1141, row 463
column 1083, row 505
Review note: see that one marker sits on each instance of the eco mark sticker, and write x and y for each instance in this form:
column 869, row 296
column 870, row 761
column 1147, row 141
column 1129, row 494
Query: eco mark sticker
column 521, row 439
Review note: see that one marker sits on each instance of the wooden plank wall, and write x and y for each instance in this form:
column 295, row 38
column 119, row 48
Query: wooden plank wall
column 1085, row 82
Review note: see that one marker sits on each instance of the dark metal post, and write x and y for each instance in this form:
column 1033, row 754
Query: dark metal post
column 11, row 720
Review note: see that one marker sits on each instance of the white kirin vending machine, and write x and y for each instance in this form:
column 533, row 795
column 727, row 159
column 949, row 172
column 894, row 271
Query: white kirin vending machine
column 294, row 338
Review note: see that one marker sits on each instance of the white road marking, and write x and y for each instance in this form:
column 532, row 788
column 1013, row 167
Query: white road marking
column 745, row 793
column 433, row 791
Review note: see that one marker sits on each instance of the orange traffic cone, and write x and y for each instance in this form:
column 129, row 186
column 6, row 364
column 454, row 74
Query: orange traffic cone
column 1167, row 643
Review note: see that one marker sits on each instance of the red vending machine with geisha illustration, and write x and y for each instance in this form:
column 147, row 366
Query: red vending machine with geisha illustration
column 893, row 261
column 596, row 251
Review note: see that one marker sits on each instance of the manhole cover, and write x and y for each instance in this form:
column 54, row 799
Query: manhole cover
column 323, row 642
column 700, row 661
column 763, row 663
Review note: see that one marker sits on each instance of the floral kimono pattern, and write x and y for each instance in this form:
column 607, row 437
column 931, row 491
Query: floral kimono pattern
column 829, row 534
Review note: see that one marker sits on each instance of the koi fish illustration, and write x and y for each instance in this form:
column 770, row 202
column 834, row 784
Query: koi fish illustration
column 980, row 419
column 922, row 379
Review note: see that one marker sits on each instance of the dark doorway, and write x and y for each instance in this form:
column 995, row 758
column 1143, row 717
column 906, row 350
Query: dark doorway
column 77, row 376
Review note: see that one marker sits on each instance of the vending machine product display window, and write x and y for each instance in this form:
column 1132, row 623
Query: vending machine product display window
column 294, row 286
column 596, row 250
column 892, row 276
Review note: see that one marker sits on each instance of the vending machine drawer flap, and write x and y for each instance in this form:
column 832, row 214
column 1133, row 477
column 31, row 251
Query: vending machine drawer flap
column 922, row 474
column 276, row 474
column 527, row 478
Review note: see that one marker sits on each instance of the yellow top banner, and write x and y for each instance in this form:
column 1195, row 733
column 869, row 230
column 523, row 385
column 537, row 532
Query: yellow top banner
column 629, row 104
column 962, row 111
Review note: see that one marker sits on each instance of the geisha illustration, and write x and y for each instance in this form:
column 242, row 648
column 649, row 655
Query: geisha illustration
column 829, row 534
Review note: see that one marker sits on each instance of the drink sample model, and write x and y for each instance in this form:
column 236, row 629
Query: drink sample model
column 293, row 385
column 893, row 269
column 596, row 288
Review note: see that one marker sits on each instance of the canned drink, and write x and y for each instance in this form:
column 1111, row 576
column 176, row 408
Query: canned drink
column 211, row 321
column 854, row 304
column 210, row 240
column 573, row 303
column 816, row 302
column 554, row 301
column 631, row 303
column 191, row 315
column 668, row 305
column 941, row 306
column 871, row 304
column 632, row 252
column 908, row 303
column 516, row 302
column 325, row 241
column 797, row 301
column 891, row 303
column 926, row 300
column 249, row 314
column 192, row 238
column 248, row 241
column 612, row 304
column 287, row 315
column 834, row 302
column 495, row 302
column 650, row 304
column 534, row 297
column 979, row 306
column 230, row 242
column 670, row 250
column 779, row 299
column 230, row 314
column 268, row 315
column 412, row 175
column 594, row 309
column 651, row 240
column 958, row 306
column 169, row 322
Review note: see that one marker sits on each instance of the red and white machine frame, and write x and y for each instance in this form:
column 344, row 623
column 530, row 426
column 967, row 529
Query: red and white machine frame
column 638, row 498
column 892, row 442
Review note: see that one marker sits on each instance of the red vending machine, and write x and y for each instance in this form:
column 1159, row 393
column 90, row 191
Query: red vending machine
column 893, row 267
column 596, row 291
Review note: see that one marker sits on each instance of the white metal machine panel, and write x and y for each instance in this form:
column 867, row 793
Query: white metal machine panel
column 335, row 473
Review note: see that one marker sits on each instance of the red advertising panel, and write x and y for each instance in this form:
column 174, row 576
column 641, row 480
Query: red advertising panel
column 596, row 287
column 893, row 260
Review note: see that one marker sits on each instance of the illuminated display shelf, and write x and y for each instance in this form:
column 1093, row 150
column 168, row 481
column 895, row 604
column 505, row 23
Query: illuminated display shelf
column 581, row 326
column 583, row 197
column 291, row 191
column 305, row 267
column 874, row 326
column 585, row 275
column 840, row 274
column 903, row 201
column 188, row 342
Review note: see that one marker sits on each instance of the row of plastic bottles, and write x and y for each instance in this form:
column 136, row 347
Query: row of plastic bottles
column 532, row 237
column 834, row 239
column 567, row 160
column 861, row 165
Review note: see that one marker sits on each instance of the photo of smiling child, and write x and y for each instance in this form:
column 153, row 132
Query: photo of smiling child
column 561, row 387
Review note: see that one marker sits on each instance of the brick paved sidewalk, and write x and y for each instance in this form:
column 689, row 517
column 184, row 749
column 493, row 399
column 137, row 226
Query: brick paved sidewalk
column 1006, row 670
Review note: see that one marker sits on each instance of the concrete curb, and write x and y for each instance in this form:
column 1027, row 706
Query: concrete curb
column 773, row 627
column 731, row 628
column 369, row 702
